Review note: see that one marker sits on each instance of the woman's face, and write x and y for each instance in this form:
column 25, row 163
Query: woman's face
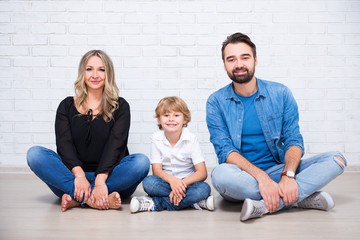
column 95, row 74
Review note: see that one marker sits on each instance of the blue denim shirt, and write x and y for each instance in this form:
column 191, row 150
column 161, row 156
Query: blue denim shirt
column 278, row 115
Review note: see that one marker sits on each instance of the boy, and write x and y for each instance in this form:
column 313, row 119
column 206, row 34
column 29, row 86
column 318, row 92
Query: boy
column 177, row 162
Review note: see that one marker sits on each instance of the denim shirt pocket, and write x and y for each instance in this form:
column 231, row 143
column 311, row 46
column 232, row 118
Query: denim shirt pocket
column 275, row 125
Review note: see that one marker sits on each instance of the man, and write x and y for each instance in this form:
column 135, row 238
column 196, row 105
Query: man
column 254, row 128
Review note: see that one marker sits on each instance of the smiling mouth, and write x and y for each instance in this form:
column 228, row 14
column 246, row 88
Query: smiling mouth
column 240, row 71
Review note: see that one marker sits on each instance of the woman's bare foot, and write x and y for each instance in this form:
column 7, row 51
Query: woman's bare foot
column 67, row 202
column 115, row 200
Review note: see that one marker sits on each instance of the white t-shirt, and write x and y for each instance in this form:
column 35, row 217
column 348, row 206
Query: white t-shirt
column 179, row 160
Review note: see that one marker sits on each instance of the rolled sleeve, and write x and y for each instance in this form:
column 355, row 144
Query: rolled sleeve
column 291, row 135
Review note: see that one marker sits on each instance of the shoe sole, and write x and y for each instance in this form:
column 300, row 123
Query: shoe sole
column 210, row 203
column 328, row 199
column 134, row 205
column 246, row 210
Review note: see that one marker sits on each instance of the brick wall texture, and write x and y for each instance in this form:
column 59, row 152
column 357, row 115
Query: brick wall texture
column 162, row 48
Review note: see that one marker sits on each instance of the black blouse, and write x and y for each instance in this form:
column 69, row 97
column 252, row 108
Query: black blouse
column 94, row 145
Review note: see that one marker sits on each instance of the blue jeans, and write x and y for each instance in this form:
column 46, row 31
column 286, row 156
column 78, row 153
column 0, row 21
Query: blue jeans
column 313, row 173
column 124, row 179
column 159, row 191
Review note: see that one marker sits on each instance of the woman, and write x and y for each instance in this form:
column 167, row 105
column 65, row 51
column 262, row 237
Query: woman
column 91, row 137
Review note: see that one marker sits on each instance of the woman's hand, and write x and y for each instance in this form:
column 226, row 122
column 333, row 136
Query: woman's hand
column 100, row 196
column 82, row 188
column 100, row 193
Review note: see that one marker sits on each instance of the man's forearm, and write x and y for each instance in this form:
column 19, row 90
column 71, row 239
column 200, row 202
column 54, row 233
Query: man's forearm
column 292, row 158
column 245, row 165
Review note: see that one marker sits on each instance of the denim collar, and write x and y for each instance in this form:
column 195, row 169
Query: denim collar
column 230, row 94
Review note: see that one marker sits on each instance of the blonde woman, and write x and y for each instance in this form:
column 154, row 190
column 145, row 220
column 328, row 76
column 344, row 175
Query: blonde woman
column 92, row 165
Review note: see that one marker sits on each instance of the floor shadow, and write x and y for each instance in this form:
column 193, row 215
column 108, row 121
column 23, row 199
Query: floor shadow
column 227, row 206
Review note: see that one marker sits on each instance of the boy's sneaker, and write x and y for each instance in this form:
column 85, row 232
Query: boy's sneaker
column 318, row 200
column 208, row 204
column 252, row 209
column 141, row 204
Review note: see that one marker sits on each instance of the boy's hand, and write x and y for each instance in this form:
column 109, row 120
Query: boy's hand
column 173, row 199
column 178, row 187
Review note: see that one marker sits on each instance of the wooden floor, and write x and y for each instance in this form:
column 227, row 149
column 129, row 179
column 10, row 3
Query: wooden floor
column 30, row 211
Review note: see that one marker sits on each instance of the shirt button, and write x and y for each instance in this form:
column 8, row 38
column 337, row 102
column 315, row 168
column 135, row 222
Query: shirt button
column 239, row 120
column 238, row 136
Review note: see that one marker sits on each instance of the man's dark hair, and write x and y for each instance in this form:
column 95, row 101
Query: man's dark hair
column 238, row 38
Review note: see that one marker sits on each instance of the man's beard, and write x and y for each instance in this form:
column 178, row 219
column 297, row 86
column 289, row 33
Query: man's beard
column 243, row 78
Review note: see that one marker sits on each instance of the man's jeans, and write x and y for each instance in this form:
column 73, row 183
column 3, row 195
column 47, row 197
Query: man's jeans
column 159, row 191
column 125, row 177
column 312, row 174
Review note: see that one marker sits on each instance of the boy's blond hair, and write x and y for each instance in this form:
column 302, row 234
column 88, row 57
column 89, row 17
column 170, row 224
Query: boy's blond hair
column 176, row 104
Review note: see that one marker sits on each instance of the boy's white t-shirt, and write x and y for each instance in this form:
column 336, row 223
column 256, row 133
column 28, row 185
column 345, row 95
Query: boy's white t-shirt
column 179, row 160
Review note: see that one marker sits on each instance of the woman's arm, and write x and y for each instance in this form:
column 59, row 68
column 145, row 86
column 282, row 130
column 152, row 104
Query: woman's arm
column 116, row 146
column 67, row 150
column 64, row 141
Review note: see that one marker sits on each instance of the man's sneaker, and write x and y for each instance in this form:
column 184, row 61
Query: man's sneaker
column 141, row 204
column 318, row 200
column 208, row 204
column 252, row 209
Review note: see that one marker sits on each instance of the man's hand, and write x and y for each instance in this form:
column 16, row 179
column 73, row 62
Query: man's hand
column 288, row 190
column 269, row 191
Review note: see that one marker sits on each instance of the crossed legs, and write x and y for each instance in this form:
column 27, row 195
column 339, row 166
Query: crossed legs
column 313, row 173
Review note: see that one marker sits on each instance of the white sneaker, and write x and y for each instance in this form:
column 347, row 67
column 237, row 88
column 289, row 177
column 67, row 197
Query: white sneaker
column 318, row 200
column 208, row 204
column 141, row 204
column 252, row 209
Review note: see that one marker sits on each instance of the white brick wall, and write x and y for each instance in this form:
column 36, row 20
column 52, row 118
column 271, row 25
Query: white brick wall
column 163, row 48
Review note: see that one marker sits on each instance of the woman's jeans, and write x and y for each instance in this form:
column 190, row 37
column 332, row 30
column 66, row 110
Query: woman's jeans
column 159, row 191
column 313, row 173
column 124, row 178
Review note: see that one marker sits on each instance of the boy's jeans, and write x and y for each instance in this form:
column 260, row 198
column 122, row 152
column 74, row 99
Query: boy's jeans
column 159, row 191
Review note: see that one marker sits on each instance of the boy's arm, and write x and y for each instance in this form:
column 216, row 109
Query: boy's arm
column 200, row 174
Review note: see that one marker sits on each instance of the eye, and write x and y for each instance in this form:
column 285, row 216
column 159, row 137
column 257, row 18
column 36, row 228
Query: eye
column 88, row 69
column 102, row 69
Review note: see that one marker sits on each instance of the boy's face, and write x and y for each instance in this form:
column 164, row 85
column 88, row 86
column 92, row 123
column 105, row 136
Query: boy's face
column 172, row 122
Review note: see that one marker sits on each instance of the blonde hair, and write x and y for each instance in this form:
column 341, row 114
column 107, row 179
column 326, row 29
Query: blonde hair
column 109, row 102
column 168, row 104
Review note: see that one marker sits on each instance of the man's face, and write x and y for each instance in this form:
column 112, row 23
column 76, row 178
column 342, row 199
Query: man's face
column 239, row 62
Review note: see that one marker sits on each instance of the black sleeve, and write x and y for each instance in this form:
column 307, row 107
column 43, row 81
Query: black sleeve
column 64, row 142
column 116, row 146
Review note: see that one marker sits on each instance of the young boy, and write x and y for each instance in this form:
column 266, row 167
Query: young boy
column 177, row 162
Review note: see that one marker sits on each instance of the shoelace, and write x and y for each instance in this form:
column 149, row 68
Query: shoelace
column 146, row 205
column 202, row 204
column 197, row 206
column 258, row 211
column 312, row 202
